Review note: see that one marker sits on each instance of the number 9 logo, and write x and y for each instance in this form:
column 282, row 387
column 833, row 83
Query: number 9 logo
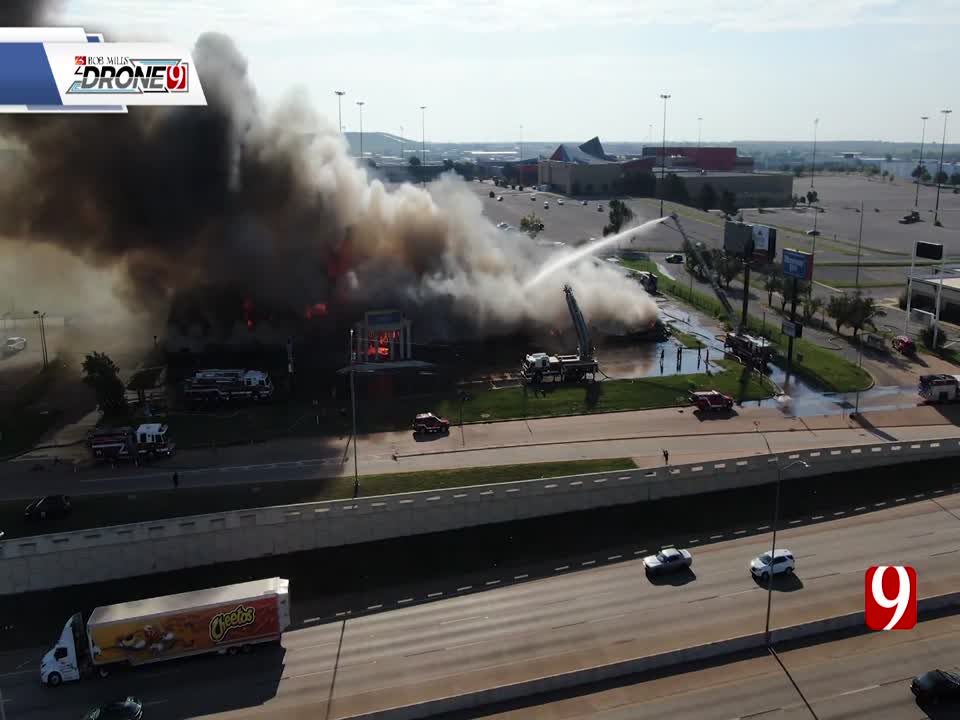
column 890, row 597
column 177, row 78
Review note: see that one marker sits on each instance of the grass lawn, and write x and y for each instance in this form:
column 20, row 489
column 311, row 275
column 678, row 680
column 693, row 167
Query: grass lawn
column 120, row 508
column 821, row 366
column 686, row 339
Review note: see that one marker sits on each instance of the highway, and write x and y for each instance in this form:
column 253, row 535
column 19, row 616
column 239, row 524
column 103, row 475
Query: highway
column 514, row 631
column 866, row 676
column 640, row 435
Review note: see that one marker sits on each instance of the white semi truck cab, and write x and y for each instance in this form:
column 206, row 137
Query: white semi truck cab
column 71, row 655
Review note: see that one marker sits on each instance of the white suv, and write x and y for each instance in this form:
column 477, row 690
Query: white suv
column 783, row 564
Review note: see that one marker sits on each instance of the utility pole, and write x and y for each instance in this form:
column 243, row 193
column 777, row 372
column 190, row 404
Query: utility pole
column 923, row 136
column 340, row 94
column 663, row 152
column 360, row 104
column 353, row 408
column 401, row 143
column 793, row 318
column 936, row 211
column 699, row 135
column 43, row 336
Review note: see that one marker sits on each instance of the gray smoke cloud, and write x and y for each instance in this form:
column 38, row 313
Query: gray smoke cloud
column 272, row 207
column 24, row 13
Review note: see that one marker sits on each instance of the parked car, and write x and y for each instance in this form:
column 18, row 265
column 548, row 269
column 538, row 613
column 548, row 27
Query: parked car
column 502, row 225
column 904, row 345
column 546, row 205
column 14, row 345
column 430, row 423
column 533, row 197
column 48, row 507
column 667, row 560
column 559, row 201
column 708, row 400
column 129, row 708
column 782, row 564
column 600, row 208
column 936, row 685
column 499, row 198
column 492, row 194
column 813, row 233
column 584, row 203
column 675, row 259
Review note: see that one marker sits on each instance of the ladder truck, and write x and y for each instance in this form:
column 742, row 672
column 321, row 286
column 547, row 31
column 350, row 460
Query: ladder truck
column 540, row 367
column 756, row 351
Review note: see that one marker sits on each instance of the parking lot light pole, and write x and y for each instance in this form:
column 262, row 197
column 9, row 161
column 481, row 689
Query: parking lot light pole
column 923, row 136
column 353, row 408
column 663, row 152
column 936, row 210
column 43, row 336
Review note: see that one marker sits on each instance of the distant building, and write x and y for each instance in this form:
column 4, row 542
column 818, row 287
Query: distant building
column 749, row 189
column 713, row 159
column 586, row 169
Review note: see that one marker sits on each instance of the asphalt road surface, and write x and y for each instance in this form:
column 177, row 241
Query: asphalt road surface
column 513, row 632
column 864, row 676
column 640, row 435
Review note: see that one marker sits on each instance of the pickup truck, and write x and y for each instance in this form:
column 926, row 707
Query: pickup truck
column 712, row 400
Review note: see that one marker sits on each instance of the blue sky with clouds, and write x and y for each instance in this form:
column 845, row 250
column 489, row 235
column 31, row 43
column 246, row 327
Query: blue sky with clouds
column 569, row 69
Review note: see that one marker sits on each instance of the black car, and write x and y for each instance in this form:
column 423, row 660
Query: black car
column 48, row 507
column 127, row 709
column 936, row 685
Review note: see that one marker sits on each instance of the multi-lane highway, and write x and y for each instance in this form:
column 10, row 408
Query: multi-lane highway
column 866, row 676
column 639, row 435
column 516, row 631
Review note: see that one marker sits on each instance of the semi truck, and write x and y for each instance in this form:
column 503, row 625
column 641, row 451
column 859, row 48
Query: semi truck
column 150, row 440
column 225, row 385
column 540, row 367
column 939, row 388
column 224, row 620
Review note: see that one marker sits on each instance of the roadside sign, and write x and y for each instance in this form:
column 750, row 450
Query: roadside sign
column 737, row 238
column 764, row 243
column 922, row 317
column 791, row 329
column 928, row 250
column 797, row 264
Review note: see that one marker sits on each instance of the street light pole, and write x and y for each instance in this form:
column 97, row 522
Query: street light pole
column 923, row 136
column 423, row 135
column 43, row 336
column 401, row 143
column 936, row 211
column 360, row 104
column 340, row 94
column 813, row 168
column 663, row 152
column 353, row 408
column 699, row 135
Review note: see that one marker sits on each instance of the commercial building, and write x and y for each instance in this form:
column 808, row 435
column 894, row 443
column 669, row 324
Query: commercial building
column 586, row 169
column 749, row 188
column 712, row 159
column 924, row 294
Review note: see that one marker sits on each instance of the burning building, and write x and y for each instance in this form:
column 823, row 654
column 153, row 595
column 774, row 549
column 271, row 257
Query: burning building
column 382, row 337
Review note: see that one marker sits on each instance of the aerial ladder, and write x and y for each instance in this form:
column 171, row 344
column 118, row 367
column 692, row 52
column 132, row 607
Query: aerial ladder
column 540, row 367
column 753, row 350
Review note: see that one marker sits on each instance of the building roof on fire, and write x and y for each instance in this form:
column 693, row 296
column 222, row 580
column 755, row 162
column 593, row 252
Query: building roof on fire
column 589, row 153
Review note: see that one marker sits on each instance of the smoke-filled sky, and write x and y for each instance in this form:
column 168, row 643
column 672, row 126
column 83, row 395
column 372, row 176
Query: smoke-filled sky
column 165, row 200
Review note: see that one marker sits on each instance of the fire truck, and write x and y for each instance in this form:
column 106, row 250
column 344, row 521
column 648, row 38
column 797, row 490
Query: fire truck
column 217, row 385
column 540, row 367
column 939, row 388
column 125, row 443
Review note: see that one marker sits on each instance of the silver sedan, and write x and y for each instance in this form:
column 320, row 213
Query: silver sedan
column 667, row 560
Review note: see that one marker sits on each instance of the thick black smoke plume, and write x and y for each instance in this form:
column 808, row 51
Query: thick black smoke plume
column 275, row 210
column 25, row 13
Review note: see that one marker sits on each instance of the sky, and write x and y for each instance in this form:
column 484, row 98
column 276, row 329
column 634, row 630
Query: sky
column 502, row 70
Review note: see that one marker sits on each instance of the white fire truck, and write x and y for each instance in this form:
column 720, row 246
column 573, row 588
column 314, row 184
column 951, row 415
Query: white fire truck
column 216, row 385
column 939, row 388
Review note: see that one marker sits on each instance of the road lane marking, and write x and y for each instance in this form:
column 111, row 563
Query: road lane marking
column 311, row 620
column 16, row 672
column 817, row 517
column 739, row 532
column 405, row 600
column 466, row 619
column 716, row 537
column 763, row 527
column 465, row 587
column 614, row 557
column 903, row 499
column 861, row 508
column 945, row 552
column 589, row 562
column 558, row 627
column 492, row 582
column 520, row 577
column 436, row 594
column 374, row 607
column 561, row 568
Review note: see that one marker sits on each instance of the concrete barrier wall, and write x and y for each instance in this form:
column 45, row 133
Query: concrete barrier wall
column 588, row 676
column 57, row 560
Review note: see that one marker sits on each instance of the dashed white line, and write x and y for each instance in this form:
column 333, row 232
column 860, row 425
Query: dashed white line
column 374, row 607
column 795, row 522
column 624, row 477
column 436, row 594
column 465, row 587
column 817, row 517
column 739, row 532
column 589, row 562
column 763, row 527
column 492, row 582
column 839, row 512
column 311, row 620
column 520, row 577
column 561, row 568
column 614, row 557
column 405, row 600
column 903, row 499
column 716, row 537
column 919, row 495
column 862, row 507
column 879, row 504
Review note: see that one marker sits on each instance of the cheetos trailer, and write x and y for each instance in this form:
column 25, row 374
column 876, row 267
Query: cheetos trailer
column 225, row 620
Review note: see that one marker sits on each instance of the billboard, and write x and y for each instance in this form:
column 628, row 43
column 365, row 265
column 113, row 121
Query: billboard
column 185, row 632
column 797, row 264
column 928, row 250
column 764, row 243
column 737, row 238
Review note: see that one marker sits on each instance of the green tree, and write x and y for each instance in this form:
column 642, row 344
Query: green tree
column 787, row 292
column 414, row 161
column 888, row 157
column 884, row 173
column 940, row 177
column 812, row 197
column 861, row 312
column 926, row 176
column 675, row 189
column 773, row 282
column 917, row 171
column 448, row 164
column 798, row 170
column 811, row 306
column 955, row 178
column 103, row 376
column 531, row 224
column 728, row 268
column 707, row 199
column 620, row 215
column 926, row 337
column 728, row 202
column 838, row 308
